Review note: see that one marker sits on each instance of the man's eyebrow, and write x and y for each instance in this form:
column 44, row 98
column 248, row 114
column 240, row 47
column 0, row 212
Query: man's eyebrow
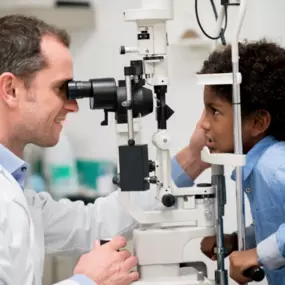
column 61, row 81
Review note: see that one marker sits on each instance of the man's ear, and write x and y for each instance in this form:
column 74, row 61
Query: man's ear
column 9, row 84
column 261, row 122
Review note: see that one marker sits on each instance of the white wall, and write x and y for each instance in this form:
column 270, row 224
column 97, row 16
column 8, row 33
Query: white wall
column 96, row 55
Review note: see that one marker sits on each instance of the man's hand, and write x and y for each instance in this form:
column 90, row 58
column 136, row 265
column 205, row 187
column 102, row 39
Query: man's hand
column 190, row 157
column 239, row 262
column 105, row 265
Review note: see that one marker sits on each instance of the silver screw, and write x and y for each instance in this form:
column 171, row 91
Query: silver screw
column 200, row 276
column 126, row 104
column 208, row 215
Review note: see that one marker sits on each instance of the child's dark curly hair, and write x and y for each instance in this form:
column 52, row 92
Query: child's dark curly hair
column 262, row 66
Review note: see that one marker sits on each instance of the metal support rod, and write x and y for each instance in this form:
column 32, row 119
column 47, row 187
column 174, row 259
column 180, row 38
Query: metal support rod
column 238, row 146
column 129, row 110
column 161, row 107
column 218, row 179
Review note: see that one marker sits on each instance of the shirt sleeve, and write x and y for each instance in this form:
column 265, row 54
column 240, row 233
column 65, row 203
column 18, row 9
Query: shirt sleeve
column 82, row 279
column 77, row 279
column 179, row 176
column 271, row 251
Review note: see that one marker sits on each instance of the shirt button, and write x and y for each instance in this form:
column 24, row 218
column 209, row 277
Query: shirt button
column 24, row 168
column 248, row 190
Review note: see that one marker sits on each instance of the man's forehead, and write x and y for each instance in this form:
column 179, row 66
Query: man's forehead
column 55, row 52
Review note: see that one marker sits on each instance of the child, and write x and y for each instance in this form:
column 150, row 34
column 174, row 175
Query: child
column 262, row 65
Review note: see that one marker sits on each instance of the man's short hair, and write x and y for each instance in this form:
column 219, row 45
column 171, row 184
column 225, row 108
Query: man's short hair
column 20, row 39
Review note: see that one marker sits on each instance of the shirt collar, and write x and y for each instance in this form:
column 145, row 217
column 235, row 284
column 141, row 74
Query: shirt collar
column 254, row 154
column 13, row 164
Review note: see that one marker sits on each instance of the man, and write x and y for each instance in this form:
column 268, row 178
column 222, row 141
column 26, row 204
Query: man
column 35, row 64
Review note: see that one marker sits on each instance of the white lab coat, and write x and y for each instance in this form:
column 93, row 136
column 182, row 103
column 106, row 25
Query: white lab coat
column 33, row 224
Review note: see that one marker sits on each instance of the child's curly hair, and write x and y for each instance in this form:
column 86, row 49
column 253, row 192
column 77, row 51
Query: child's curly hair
column 262, row 66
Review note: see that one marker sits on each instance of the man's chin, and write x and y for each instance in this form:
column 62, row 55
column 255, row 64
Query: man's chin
column 49, row 142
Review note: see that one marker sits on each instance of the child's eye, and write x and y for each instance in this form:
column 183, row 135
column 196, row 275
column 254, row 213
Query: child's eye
column 215, row 112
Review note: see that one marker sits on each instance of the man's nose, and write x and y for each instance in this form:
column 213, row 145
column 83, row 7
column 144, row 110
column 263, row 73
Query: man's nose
column 71, row 106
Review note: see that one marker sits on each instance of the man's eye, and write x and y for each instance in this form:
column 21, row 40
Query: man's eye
column 61, row 88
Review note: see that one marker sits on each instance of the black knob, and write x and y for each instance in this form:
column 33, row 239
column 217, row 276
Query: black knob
column 153, row 180
column 151, row 166
column 204, row 185
column 122, row 50
column 127, row 70
column 255, row 273
column 168, row 200
column 116, row 180
column 131, row 142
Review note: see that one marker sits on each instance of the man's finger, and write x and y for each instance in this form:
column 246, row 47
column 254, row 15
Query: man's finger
column 116, row 243
column 96, row 244
column 124, row 254
column 133, row 276
column 129, row 263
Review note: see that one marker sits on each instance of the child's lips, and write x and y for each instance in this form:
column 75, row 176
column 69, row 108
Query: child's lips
column 210, row 144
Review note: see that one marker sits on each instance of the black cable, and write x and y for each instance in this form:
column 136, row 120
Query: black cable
column 214, row 9
column 204, row 32
column 223, row 39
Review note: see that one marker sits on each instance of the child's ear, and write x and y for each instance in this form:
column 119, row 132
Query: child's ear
column 261, row 122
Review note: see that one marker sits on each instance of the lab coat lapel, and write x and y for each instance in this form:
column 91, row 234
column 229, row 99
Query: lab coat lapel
column 14, row 192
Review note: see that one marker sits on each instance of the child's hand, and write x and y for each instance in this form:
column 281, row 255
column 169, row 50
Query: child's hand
column 190, row 157
column 208, row 245
column 239, row 262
